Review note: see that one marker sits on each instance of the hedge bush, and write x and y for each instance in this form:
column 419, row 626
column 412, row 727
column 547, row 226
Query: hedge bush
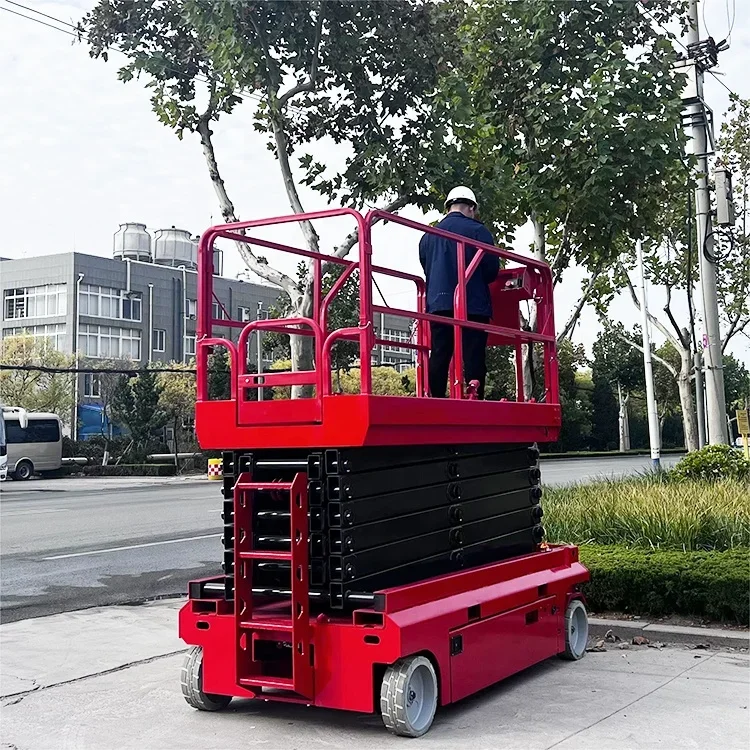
column 713, row 463
column 130, row 470
column 712, row 584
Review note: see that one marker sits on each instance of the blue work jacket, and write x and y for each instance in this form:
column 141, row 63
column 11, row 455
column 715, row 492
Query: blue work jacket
column 438, row 258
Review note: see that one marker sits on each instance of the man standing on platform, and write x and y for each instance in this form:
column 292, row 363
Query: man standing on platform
column 438, row 258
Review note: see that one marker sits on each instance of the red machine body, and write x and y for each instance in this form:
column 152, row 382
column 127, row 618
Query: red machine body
column 470, row 628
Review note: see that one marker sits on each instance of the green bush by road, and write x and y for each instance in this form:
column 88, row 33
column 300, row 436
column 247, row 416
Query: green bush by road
column 704, row 584
column 649, row 512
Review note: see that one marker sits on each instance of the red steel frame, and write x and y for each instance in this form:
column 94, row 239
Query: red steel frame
column 333, row 420
column 508, row 615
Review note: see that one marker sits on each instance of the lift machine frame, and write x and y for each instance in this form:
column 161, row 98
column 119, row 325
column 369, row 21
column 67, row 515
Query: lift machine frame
column 381, row 553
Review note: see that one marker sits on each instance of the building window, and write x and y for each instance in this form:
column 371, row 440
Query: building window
column 53, row 333
column 189, row 344
column 217, row 311
column 105, row 302
column 397, row 364
column 245, row 314
column 106, row 341
column 35, row 301
column 160, row 340
column 92, row 385
column 192, row 308
column 394, row 334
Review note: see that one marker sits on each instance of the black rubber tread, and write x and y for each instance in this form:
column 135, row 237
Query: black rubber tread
column 393, row 696
column 191, row 682
column 24, row 463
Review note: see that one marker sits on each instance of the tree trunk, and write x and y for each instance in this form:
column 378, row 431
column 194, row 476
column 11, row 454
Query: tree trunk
column 623, row 420
column 689, row 419
column 176, row 449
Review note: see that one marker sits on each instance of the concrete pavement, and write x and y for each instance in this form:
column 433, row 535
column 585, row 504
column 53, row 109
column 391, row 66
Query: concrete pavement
column 109, row 678
column 75, row 542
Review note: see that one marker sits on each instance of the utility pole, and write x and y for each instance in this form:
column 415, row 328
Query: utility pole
column 654, row 438
column 703, row 54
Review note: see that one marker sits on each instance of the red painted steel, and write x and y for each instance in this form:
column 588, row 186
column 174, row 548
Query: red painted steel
column 488, row 607
column 253, row 626
column 365, row 419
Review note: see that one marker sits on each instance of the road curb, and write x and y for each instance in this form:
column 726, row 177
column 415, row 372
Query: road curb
column 663, row 633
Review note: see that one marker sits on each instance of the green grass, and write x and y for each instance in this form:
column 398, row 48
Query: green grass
column 650, row 513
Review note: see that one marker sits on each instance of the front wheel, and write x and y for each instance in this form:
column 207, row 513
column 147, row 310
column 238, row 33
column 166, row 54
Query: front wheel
column 408, row 696
column 576, row 631
column 24, row 470
column 191, row 681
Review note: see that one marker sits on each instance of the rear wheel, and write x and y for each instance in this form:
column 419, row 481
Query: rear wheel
column 576, row 631
column 408, row 696
column 191, row 681
column 24, row 470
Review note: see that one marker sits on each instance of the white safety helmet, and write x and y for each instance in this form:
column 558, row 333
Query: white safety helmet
column 461, row 194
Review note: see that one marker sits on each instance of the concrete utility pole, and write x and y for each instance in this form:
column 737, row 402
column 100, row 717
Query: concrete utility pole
column 654, row 438
column 714, row 374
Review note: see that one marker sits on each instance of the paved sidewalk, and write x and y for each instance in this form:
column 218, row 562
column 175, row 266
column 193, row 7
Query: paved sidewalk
column 109, row 678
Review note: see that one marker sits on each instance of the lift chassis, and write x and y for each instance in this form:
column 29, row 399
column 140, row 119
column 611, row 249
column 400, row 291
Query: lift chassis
column 381, row 553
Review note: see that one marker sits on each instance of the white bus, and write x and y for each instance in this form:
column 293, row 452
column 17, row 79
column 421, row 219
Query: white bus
column 31, row 443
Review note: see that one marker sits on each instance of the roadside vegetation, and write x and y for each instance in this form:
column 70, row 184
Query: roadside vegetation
column 675, row 543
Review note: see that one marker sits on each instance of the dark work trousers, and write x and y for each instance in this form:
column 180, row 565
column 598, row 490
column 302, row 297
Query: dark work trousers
column 441, row 353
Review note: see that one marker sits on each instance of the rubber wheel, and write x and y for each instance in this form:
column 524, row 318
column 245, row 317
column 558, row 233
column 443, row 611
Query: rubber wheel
column 24, row 470
column 191, row 681
column 576, row 631
column 408, row 696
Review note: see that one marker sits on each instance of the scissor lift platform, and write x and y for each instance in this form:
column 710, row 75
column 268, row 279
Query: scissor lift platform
column 380, row 552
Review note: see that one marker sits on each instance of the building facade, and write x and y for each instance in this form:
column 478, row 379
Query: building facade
column 126, row 309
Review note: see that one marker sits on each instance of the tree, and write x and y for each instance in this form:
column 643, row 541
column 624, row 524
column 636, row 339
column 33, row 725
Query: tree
column 733, row 243
column 737, row 384
column 666, row 387
column 363, row 74
column 31, row 389
column 575, row 109
column 177, row 401
column 620, row 366
column 136, row 405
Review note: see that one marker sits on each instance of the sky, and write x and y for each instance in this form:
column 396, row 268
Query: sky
column 82, row 153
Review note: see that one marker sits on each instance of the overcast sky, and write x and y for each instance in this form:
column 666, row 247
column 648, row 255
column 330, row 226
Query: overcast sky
column 81, row 153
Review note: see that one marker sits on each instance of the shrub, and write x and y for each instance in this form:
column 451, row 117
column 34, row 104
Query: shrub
column 712, row 463
column 704, row 584
column 650, row 512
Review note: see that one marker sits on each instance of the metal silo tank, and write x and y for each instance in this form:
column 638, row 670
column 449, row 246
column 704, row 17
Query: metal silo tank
column 132, row 242
column 174, row 247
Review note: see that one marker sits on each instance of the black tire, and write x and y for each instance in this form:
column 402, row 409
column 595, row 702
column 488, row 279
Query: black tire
column 191, row 681
column 24, row 470
column 408, row 696
column 576, row 631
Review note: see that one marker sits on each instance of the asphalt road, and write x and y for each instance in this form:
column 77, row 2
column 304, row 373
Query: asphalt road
column 68, row 544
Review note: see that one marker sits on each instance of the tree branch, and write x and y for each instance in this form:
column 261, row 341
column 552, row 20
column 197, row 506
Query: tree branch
column 253, row 262
column 570, row 325
column 308, row 85
column 655, row 356
column 668, row 311
column 664, row 330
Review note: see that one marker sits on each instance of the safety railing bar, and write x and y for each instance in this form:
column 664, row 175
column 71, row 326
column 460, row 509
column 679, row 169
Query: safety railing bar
column 216, row 322
column 402, row 344
column 418, row 280
column 522, row 336
column 293, row 218
column 334, row 290
column 269, row 244
column 326, row 364
column 202, row 376
column 503, row 253
column 267, row 379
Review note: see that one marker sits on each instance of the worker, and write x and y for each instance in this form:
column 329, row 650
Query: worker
column 438, row 258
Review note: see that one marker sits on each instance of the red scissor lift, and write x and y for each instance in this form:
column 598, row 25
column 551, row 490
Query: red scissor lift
column 380, row 552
